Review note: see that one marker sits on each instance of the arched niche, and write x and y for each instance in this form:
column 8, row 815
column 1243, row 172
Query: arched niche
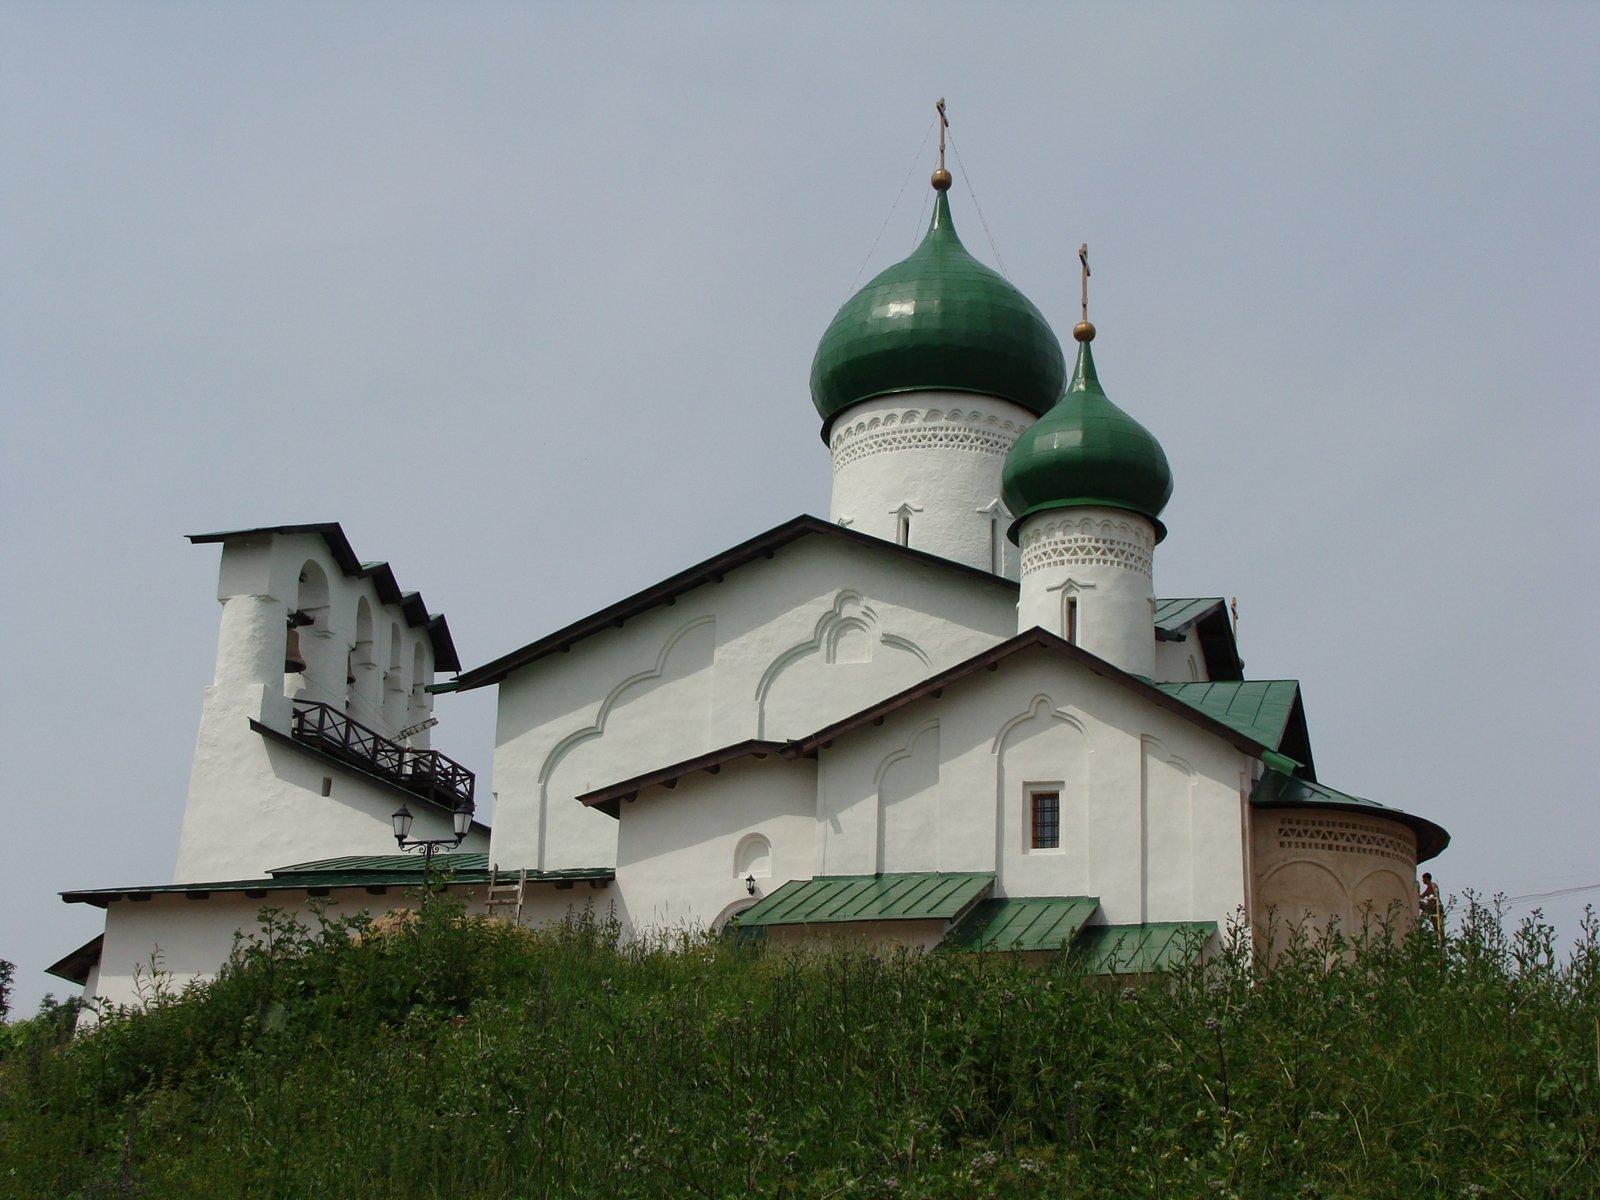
column 753, row 857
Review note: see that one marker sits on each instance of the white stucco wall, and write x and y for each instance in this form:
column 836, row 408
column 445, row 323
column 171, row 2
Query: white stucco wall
column 776, row 650
column 683, row 853
column 253, row 805
column 1102, row 559
column 195, row 937
column 937, row 456
column 1180, row 662
column 1151, row 805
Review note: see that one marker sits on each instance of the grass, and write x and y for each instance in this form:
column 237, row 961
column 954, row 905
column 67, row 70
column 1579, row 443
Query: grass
column 450, row 1057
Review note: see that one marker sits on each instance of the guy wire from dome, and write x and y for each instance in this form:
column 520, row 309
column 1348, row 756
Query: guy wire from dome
column 939, row 320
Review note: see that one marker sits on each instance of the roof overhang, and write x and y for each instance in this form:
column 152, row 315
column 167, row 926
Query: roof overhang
column 77, row 966
column 382, row 576
column 609, row 799
column 1277, row 789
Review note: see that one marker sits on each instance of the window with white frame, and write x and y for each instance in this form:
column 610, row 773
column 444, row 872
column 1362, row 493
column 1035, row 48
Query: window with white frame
column 1044, row 817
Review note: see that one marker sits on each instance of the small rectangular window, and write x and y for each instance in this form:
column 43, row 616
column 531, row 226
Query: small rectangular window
column 1046, row 820
column 903, row 529
column 1069, row 620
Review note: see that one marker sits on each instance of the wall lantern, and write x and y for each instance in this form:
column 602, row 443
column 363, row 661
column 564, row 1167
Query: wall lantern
column 750, row 885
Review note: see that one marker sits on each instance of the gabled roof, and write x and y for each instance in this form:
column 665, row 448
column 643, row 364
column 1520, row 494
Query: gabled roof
column 1275, row 789
column 373, row 871
column 1207, row 617
column 711, row 570
column 1255, row 726
column 1173, row 617
column 991, row 659
column 831, row 899
column 409, row 603
column 1268, row 710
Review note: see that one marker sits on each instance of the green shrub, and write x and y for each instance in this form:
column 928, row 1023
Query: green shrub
column 446, row 1056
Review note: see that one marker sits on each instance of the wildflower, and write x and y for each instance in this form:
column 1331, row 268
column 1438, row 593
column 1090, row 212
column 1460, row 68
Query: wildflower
column 1129, row 994
column 1163, row 1067
column 1212, row 1024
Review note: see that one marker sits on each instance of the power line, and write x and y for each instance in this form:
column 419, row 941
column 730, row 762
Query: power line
column 1568, row 891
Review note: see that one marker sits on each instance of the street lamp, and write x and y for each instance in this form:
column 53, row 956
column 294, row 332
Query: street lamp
column 460, row 825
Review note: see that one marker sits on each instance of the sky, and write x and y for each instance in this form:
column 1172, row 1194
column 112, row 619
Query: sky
column 526, row 296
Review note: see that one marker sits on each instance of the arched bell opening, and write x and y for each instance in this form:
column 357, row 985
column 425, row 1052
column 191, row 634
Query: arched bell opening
column 306, row 621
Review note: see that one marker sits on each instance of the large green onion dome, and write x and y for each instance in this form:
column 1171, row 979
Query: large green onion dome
column 939, row 320
column 1086, row 452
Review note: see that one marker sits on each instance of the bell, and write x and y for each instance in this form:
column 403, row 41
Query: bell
column 294, row 662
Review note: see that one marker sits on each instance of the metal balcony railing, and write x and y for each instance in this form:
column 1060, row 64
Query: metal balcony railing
column 427, row 773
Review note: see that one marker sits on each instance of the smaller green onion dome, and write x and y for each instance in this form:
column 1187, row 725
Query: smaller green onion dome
column 940, row 320
column 1086, row 452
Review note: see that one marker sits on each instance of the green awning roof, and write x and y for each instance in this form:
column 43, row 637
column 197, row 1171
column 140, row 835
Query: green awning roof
column 1023, row 923
column 364, row 870
column 1141, row 949
column 1259, row 709
column 937, row 895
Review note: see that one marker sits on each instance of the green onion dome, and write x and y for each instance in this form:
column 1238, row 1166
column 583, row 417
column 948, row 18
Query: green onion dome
column 940, row 320
column 1086, row 452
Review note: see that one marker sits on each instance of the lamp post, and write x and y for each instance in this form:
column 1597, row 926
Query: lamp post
column 460, row 824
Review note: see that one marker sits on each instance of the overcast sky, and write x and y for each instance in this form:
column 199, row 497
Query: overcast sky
column 527, row 296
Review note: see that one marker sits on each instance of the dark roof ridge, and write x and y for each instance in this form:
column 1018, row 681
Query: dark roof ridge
column 762, row 545
column 416, row 613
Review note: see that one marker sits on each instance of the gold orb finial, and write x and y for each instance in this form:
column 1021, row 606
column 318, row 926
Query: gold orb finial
column 941, row 180
column 1083, row 331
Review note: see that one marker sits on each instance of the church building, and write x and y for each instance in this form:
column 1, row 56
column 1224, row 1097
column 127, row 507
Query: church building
column 954, row 715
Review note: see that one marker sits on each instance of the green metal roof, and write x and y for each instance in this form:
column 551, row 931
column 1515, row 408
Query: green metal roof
column 1142, row 949
column 1276, row 789
column 832, row 898
column 1086, row 452
column 1023, row 923
column 1259, row 709
column 366, row 870
column 939, row 320
column 1173, row 616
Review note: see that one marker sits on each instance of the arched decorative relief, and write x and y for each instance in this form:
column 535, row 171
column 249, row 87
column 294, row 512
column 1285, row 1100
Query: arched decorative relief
column 1296, row 866
column 1382, row 890
column 1039, row 706
column 616, row 696
column 849, row 624
column 905, row 752
column 896, row 642
column 906, row 788
column 922, row 429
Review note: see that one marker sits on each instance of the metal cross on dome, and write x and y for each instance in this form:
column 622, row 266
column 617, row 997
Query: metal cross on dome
column 1083, row 258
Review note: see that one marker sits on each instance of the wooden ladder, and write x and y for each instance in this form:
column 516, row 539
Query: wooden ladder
column 503, row 893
